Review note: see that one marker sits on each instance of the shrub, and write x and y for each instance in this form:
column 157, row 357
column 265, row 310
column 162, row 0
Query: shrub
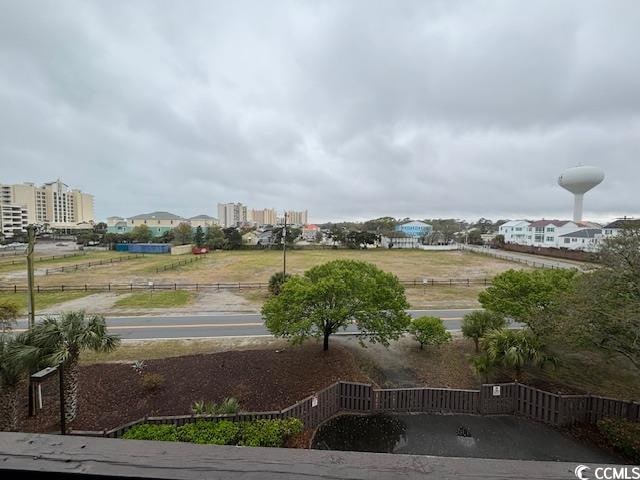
column 152, row 381
column 139, row 366
column 257, row 433
column 276, row 281
column 429, row 331
column 223, row 432
column 9, row 312
column 228, row 406
column 146, row 431
column 268, row 433
column 623, row 435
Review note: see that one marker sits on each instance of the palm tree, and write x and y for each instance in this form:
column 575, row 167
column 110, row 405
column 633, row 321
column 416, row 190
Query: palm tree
column 13, row 371
column 59, row 341
column 516, row 349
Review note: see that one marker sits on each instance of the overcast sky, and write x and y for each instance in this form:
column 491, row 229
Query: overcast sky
column 351, row 109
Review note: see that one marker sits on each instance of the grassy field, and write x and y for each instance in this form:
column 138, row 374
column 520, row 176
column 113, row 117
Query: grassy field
column 43, row 300
column 59, row 262
column 259, row 265
column 177, row 298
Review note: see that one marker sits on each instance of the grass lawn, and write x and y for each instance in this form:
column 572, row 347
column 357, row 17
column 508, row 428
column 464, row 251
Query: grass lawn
column 43, row 300
column 59, row 262
column 156, row 299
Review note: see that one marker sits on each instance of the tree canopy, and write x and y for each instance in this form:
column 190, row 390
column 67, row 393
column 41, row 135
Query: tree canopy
column 477, row 324
column 602, row 310
column 524, row 295
column 331, row 296
column 428, row 330
column 182, row 234
column 141, row 234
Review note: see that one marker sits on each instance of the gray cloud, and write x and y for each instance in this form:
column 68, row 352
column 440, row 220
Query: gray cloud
column 350, row 109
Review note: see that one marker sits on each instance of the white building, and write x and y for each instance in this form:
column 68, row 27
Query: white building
column 231, row 214
column 399, row 241
column 13, row 218
column 587, row 239
column 614, row 228
column 54, row 204
column 514, row 231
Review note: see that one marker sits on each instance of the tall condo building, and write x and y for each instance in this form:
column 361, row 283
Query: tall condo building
column 265, row 216
column 53, row 205
column 231, row 214
column 297, row 218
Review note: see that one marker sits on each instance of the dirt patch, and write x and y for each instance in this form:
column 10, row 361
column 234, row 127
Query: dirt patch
column 270, row 379
column 96, row 303
column 403, row 364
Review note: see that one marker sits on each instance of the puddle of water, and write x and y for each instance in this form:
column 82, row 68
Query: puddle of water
column 377, row 433
column 499, row 436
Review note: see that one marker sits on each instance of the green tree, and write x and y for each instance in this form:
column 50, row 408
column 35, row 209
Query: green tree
column 515, row 349
column 233, row 238
column 198, row 237
column 182, row 234
column 429, row 330
column 527, row 296
column 166, row 237
column 141, row 234
column 276, row 282
column 60, row 340
column 474, row 237
column 477, row 324
column 334, row 295
column 603, row 308
column 9, row 312
column 214, row 238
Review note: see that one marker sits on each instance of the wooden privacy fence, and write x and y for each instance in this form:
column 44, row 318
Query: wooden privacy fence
column 351, row 397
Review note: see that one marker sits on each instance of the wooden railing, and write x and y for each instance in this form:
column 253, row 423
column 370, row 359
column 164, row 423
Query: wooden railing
column 351, row 397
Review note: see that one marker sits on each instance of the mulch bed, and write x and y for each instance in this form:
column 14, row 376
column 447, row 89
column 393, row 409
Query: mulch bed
column 112, row 394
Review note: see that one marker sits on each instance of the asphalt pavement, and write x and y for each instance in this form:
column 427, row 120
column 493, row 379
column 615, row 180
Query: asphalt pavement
column 216, row 325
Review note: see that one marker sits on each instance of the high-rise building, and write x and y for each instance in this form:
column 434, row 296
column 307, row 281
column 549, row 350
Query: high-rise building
column 266, row 216
column 231, row 214
column 13, row 218
column 53, row 204
column 297, row 218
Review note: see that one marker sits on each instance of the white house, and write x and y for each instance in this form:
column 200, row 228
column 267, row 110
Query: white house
column 587, row 239
column 614, row 228
column 514, row 231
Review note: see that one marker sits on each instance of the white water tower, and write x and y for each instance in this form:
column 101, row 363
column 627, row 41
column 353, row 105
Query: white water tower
column 579, row 180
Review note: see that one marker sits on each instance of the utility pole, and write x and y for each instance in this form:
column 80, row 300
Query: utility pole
column 284, row 246
column 31, row 236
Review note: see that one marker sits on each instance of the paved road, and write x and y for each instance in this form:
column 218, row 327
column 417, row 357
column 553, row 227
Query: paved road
column 526, row 258
column 223, row 325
